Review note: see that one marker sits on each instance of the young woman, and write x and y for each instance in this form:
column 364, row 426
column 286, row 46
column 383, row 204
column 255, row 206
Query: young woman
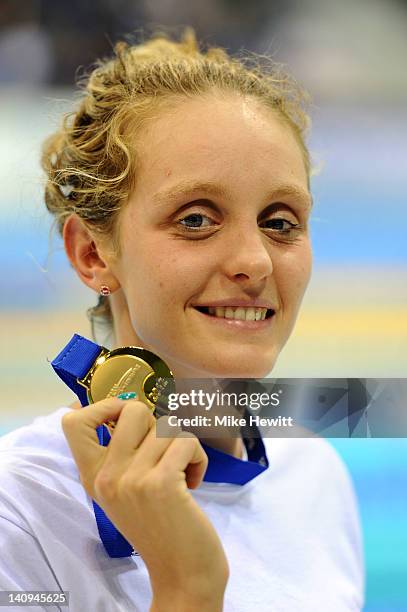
column 181, row 186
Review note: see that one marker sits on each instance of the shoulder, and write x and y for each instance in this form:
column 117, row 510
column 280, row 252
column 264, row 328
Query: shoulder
column 36, row 465
column 310, row 473
column 42, row 440
column 314, row 481
column 310, row 458
column 311, row 490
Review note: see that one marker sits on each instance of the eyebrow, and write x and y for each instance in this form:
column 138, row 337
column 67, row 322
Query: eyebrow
column 172, row 194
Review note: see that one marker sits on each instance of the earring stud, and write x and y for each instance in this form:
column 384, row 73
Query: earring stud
column 105, row 290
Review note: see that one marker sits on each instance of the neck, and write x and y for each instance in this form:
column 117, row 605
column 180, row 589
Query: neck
column 222, row 438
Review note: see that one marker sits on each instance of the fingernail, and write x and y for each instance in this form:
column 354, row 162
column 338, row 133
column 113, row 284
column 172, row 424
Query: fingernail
column 128, row 395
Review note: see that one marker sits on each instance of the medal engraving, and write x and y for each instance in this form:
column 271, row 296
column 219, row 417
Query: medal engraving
column 124, row 382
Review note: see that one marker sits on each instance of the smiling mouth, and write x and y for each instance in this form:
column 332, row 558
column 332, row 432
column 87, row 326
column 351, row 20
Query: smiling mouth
column 236, row 313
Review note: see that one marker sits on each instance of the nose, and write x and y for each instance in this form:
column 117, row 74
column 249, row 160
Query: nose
column 247, row 257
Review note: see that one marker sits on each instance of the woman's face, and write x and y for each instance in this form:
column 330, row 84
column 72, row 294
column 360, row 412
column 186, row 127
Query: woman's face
column 219, row 214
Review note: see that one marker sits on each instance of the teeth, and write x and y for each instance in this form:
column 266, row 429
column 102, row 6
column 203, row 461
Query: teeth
column 239, row 313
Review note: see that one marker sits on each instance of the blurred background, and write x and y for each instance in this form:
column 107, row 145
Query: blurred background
column 351, row 57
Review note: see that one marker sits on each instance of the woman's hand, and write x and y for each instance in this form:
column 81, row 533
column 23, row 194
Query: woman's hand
column 141, row 481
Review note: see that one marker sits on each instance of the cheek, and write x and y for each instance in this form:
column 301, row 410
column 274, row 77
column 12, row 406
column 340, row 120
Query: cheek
column 304, row 270
column 294, row 273
column 167, row 279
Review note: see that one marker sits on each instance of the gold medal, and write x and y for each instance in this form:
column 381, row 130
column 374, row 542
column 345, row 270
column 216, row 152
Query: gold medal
column 130, row 369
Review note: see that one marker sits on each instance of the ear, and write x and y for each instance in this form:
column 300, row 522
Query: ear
column 86, row 256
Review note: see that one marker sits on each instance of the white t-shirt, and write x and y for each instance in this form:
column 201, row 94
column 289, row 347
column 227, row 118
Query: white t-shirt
column 291, row 535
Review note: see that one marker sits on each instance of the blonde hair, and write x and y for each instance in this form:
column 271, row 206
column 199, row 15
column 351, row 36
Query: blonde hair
column 90, row 163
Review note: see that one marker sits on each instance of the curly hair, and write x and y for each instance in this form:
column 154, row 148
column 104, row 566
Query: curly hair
column 91, row 162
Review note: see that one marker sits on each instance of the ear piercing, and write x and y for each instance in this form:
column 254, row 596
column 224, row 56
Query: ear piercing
column 105, row 290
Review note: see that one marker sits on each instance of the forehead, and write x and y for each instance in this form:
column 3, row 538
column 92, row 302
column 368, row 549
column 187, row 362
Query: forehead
column 221, row 138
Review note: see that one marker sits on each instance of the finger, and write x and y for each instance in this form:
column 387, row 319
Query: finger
column 135, row 422
column 79, row 427
column 155, row 444
column 185, row 454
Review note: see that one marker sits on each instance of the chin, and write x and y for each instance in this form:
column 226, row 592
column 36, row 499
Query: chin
column 244, row 370
column 225, row 364
column 242, row 373
column 226, row 371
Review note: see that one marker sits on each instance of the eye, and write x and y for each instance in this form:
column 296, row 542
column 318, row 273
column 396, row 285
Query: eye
column 195, row 221
column 280, row 225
